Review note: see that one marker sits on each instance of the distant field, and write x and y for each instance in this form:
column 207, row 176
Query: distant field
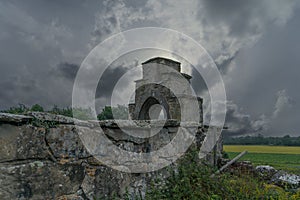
column 280, row 157
column 262, row 149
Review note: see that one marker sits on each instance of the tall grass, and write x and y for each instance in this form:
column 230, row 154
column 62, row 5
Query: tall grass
column 192, row 181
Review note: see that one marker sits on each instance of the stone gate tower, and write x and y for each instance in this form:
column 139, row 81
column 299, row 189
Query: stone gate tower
column 151, row 91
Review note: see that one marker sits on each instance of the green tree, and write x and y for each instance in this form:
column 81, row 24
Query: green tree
column 37, row 108
column 108, row 112
column 120, row 112
column 82, row 113
column 68, row 111
column 20, row 109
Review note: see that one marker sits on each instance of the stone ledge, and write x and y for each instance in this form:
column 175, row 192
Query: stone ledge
column 51, row 117
column 60, row 119
column 12, row 118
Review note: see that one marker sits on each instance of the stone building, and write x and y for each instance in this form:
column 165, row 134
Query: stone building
column 159, row 75
column 43, row 156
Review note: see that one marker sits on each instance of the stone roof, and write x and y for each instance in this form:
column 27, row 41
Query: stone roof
column 161, row 60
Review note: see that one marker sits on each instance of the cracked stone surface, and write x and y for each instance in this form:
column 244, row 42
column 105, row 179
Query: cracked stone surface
column 11, row 118
column 52, row 163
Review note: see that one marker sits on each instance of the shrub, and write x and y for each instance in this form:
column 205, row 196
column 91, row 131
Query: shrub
column 20, row 109
column 108, row 112
column 37, row 108
column 192, row 181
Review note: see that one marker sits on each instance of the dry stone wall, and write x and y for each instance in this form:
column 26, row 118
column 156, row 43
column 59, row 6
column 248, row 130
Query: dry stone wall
column 42, row 157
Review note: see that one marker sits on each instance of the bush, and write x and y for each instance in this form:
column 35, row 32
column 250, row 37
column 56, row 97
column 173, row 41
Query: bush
column 82, row 113
column 62, row 111
column 193, row 181
column 37, row 108
column 79, row 113
column 108, row 112
column 20, row 109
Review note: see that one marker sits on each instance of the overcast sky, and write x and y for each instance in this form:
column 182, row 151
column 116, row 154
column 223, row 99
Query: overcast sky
column 255, row 44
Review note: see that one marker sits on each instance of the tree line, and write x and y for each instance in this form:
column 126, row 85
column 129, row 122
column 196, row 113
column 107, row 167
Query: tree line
column 286, row 140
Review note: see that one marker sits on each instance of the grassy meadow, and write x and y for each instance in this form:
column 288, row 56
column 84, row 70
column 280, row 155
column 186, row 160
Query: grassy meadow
column 281, row 157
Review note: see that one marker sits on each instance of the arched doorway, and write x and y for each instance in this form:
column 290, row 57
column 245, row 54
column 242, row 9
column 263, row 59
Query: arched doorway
column 152, row 110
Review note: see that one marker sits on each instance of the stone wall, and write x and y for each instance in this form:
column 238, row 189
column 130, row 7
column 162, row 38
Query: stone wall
column 42, row 157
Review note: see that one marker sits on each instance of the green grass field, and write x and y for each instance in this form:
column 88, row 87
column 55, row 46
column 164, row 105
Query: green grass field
column 285, row 158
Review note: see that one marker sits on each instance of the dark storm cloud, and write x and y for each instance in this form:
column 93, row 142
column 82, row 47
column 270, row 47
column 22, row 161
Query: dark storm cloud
column 225, row 65
column 236, row 14
column 17, row 89
column 254, row 44
column 231, row 11
column 239, row 24
column 68, row 70
column 266, row 70
column 108, row 81
column 197, row 82
column 35, row 37
column 239, row 123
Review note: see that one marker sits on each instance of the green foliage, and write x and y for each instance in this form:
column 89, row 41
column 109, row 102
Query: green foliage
column 120, row 112
column 23, row 109
column 225, row 155
column 82, row 113
column 260, row 140
column 62, row 111
column 37, row 108
column 20, row 109
column 44, row 124
column 108, row 112
column 193, row 181
column 286, row 162
column 79, row 113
